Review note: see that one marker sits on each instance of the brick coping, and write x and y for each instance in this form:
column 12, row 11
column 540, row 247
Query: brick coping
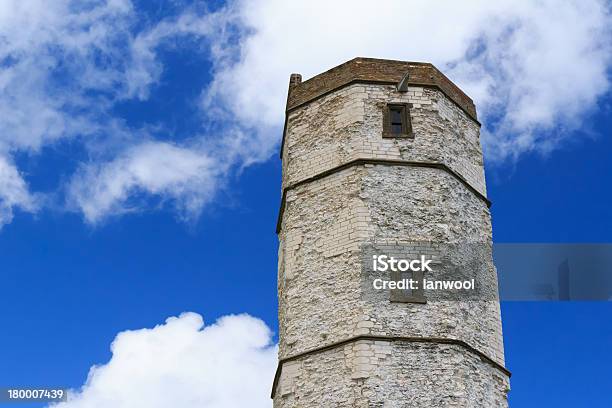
column 378, row 70
column 375, row 161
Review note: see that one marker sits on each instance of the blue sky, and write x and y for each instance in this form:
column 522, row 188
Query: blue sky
column 139, row 178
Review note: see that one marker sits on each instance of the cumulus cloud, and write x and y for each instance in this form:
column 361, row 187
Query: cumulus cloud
column 183, row 363
column 185, row 176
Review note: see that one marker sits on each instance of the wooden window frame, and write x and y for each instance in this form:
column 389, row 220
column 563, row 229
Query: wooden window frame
column 406, row 122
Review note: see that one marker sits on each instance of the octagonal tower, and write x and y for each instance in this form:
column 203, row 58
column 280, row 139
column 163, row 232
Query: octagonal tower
column 382, row 154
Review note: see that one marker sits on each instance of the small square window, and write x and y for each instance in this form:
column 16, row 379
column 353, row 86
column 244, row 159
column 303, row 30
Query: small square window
column 408, row 295
column 397, row 121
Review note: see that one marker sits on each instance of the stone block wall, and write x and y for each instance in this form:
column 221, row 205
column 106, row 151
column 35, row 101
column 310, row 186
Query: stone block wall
column 347, row 125
column 323, row 295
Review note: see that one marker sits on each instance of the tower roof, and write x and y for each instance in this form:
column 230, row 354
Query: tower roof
column 379, row 71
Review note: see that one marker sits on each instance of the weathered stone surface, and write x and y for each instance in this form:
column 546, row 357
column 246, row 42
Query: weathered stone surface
column 329, row 218
column 400, row 375
column 347, row 125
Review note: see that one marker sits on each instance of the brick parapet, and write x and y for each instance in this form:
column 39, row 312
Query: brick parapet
column 373, row 70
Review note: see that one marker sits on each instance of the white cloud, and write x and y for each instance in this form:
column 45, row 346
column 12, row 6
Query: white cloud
column 13, row 192
column 229, row 364
column 542, row 70
column 187, row 177
column 53, row 56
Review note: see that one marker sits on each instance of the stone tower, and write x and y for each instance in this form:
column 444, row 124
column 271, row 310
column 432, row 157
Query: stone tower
column 382, row 155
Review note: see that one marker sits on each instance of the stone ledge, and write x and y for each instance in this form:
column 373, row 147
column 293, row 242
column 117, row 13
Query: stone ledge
column 388, row 162
column 379, row 338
